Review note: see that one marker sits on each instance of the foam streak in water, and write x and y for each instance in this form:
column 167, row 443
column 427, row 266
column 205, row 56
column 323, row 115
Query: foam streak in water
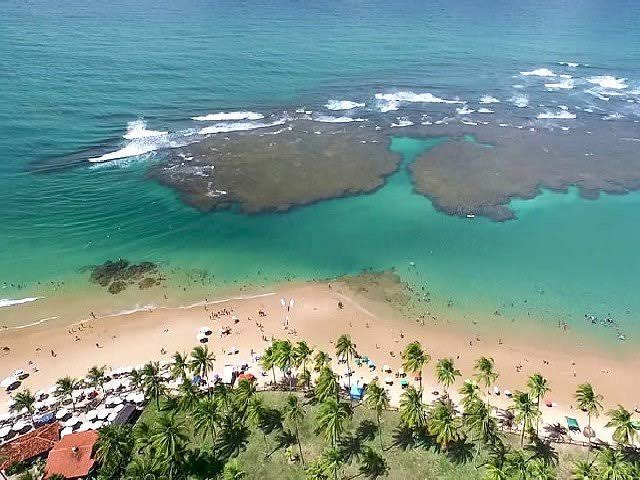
column 5, row 302
column 412, row 97
column 229, row 116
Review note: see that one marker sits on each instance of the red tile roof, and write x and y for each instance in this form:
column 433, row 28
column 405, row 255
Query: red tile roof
column 28, row 446
column 72, row 457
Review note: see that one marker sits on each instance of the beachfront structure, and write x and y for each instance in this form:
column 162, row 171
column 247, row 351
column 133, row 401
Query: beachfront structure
column 73, row 456
column 29, row 447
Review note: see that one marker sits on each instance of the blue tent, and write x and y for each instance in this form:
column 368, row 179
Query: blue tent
column 356, row 392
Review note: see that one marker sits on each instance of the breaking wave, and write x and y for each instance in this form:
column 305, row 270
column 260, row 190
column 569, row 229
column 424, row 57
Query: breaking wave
column 5, row 302
column 330, row 119
column 539, row 72
column 486, row 99
column 520, row 100
column 412, row 97
column 238, row 127
column 343, row 105
column 229, row 116
column 138, row 129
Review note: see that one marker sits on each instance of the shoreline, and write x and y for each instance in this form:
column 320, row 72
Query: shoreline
column 375, row 324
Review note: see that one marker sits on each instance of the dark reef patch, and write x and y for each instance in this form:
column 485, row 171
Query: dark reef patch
column 277, row 170
column 117, row 275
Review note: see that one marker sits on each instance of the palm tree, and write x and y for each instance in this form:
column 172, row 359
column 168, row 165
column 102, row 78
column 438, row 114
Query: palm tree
column 526, row 412
column 583, row 470
column 444, row 424
column 24, row 400
column 326, row 385
column 332, row 461
column 256, row 413
column 377, row 399
column 234, row 436
column 267, row 362
column 346, row 349
column 330, row 419
column 206, row 416
column 143, row 467
column 243, row 394
column 179, row 365
column 620, row 420
column 189, row 396
column 373, row 464
column 589, row 401
column 169, row 439
column 201, row 361
column 446, row 372
column 517, row 465
column 113, row 449
column 485, row 372
column 233, row 471
column 321, row 360
column 412, row 411
column 612, row 465
column 414, row 358
column 96, row 377
column 153, row 385
column 482, row 424
column 538, row 387
column 137, row 379
column 294, row 415
column 469, row 393
column 65, row 387
column 302, row 354
column 538, row 470
column 284, row 358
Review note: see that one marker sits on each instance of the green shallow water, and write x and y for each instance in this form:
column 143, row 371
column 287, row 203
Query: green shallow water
column 563, row 257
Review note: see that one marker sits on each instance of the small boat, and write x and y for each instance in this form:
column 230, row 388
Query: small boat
column 470, row 215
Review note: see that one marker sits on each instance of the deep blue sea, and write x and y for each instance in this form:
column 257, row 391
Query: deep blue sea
column 121, row 80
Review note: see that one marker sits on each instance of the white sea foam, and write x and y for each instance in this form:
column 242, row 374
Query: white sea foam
column 486, row 99
column 343, row 105
column 609, row 82
column 539, row 72
column 570, row 64
column 564, row 84
column 464, row 110
column 229, row 116
column 330, row 119
column 402, row 122
column 138, row 129
column 560, row 114
column 613, row 116
column 6, row 302
column 485, row 110
column 385, row 106
column 238, row 127
column 412, row 97
column 520, row 100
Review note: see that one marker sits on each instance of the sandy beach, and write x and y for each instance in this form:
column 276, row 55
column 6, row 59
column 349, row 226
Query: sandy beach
column 368, row 313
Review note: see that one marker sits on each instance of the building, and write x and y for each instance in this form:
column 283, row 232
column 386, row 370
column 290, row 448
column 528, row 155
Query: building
column 73, row 456
column 28, row 447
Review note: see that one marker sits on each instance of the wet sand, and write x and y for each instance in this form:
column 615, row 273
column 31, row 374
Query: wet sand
column 369, row 313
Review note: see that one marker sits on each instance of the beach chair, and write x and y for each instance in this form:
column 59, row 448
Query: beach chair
column 572, row 424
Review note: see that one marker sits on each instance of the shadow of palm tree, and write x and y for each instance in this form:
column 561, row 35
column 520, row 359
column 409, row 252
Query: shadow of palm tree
column 460, row 452
column 233, row 439
column 284, row 439
column 543, row 451
column 271, row 420
column 404, row 438
column 367, row 430
column 202, row 464
column 351, row 448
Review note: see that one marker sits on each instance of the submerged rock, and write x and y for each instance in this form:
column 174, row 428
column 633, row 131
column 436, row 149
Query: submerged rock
column 117, row 275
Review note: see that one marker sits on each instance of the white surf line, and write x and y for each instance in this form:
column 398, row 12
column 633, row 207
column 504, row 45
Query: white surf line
column 357, row 305
column 224, row 300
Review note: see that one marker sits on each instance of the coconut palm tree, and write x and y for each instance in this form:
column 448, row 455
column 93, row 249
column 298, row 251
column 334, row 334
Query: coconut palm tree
column 113, row 449
column 284, row 358
column 469, row 392
column 321, row 360
column 485, row 372
column 583, row 470
column 188, row 397
column 233, row 471
column 414, row 358
column 145, row 467
column 377, row 399
column 153, row 386
column 443, row 423
column 516, row 462
column 24, row 400
column 332, row 461
column 538, row 470
column 346, row 349
column 373, row 465
column 620, row 420
column 201, row 361
column 234, row 436
column 96, row 377
column 64, row 389
column 294, row 415
column 612, row 465
column 589, row 401
column 302, row 353
column 412, row 411
column 330, row 419
column 446, row 372
column 206, row 417
column 538, row 387
column 179, row 365
column 169, row 439
column 326, row 385
column 481, row 424
column 526, row 412
column 137, row 379
column 267, row 362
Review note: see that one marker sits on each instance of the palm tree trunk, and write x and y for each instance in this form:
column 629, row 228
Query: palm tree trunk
column 299, row 444
column 380, row 431
column 522, row 437
column 273, row 370
column 538, row 419
column 349, row 380
column 420, row 381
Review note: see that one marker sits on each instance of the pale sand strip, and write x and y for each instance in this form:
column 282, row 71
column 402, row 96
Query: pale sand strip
column 378, row 330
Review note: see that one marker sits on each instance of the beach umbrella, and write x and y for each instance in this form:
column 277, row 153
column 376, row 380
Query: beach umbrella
column 7, row 382
column 40, row 394
column 388, row 380
column 52, row 390
column 62, row 414
column 401, row 372
column 72, row 422
column 85, row 426
column 496, row 390
column 117, row 408
column 66, row 431
column 103, row 413
column 112, row 416
column 5, row 431
column 5, row 417
column 205, row 330
column 19, row 426
column 283, row 302
column 97, row 424
column 508, row 393
column 91, row 415
column 386, row 368
column 19, row 373
column 50, row 401
column 202, row 338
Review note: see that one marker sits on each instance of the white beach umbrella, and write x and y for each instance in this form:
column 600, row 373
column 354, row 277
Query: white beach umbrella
column 66, row 431
column 40, row 394
column 50, row 401
column 117, row 408
column 91, row 415
column 72, row 422
column 85, row 426
column 5, row 417
column 19, row 426
column 18, row 373
column 201, row 337
column 103, row 413
column 52, row 390
column 62, row 413
column 112, row 416
column 386, row 368
column 7, row 382
column 388, row 380
column 5, row 431
column 206, row 330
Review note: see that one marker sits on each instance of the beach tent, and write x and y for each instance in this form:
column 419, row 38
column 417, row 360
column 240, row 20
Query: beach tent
column 404, row 383
column 356, row 392
column 388, row 380
column 228, row 374
column 572, row 424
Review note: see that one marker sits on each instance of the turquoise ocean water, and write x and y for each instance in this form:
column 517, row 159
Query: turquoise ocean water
column 74, row 74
